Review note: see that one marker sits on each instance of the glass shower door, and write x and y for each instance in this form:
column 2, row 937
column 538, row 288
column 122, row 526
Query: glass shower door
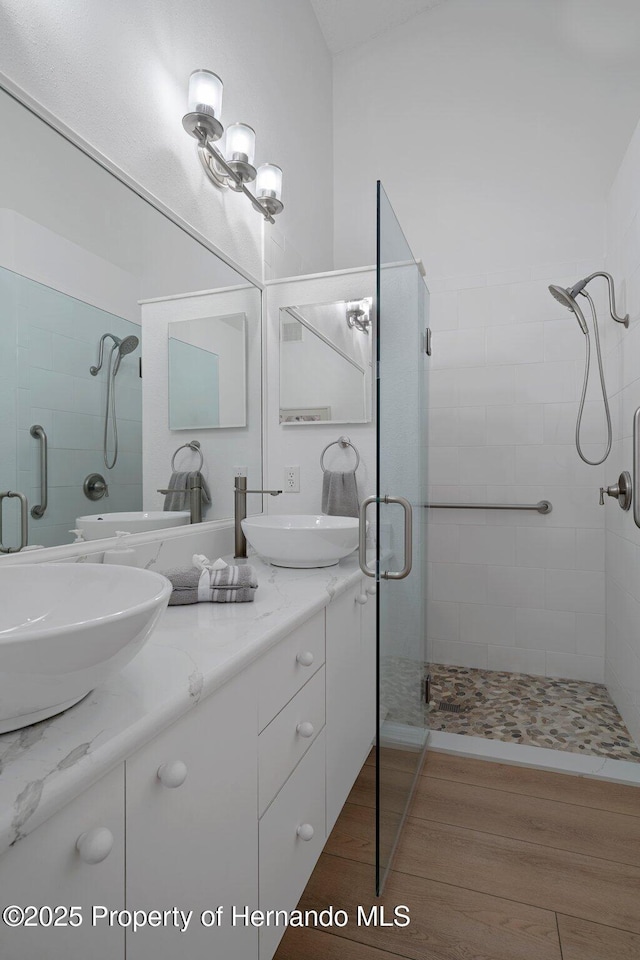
column 403, row 304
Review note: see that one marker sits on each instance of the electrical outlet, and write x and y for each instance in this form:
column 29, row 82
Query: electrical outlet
column 239, row 471
column 292, row 479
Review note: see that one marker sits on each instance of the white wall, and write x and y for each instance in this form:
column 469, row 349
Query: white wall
column 302, row 444
column 494, row 127
column 514, row 590
column 623, row 373
column 117, row 74
column 222, row 448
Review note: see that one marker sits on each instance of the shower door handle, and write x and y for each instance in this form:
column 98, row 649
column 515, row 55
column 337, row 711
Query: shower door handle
column 38, row 433
column 24, row 532
column 636, row 466
column 408, row 538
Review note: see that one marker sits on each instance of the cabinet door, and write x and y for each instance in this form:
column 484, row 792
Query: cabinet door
column 350, row 699
column 195, row 846
column 46, row 869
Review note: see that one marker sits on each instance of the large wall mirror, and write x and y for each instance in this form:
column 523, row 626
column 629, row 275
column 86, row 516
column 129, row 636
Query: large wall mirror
column 326, row 362
column 79, row 251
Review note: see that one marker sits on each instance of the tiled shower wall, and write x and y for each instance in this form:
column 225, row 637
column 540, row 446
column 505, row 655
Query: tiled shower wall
column 52, row 340
column 514, row 590
column 623, row 374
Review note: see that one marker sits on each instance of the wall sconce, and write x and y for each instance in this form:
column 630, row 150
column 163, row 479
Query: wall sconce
column 359, row 315
column 233, row 166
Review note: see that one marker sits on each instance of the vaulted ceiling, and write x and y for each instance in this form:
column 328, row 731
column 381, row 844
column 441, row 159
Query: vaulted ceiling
column 347, row 22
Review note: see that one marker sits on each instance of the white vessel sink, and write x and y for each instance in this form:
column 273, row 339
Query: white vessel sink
column 67, row 627
column 97, row 526
column 313, row 540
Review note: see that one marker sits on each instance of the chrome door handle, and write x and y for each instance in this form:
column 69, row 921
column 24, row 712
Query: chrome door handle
column 38, row 433
column 408, row 538
column 636, row 466
column 362, row 537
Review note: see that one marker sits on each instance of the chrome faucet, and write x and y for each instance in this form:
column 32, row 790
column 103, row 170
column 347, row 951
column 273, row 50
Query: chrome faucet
column 240, row 512
column 195, row 498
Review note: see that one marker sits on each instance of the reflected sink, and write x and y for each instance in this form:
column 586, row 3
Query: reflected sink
column 313, row 540
column 97, row 526
column 65, row 628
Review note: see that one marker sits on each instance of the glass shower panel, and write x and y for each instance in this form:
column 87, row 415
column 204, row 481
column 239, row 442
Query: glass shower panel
column 8, row 409
column 403, row 303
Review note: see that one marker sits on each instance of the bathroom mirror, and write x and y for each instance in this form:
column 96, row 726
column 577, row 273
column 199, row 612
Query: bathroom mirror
column 80, row 250
column 326, row 358
column 207, row 372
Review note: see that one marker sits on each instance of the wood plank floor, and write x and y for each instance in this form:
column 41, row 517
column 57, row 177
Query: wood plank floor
column 496, row 862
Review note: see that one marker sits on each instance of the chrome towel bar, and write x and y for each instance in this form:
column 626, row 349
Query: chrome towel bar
column 543, row 506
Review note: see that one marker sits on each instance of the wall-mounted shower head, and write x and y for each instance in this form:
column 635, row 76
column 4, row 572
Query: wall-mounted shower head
column 567, row 299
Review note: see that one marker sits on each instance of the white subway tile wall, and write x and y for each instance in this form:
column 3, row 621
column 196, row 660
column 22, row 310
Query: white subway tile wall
column 52, row 343
column 513, row 590
column 622, row 350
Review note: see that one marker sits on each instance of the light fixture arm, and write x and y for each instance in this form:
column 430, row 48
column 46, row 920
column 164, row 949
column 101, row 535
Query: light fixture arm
column 204, row 143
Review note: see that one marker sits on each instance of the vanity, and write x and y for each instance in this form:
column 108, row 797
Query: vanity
column 207, row 774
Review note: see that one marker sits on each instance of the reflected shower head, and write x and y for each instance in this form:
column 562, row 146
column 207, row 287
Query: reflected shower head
column 122, row 346
column 567, row 299
column 128, row 345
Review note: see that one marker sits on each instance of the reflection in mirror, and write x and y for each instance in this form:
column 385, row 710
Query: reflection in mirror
column 79, row 250
column 326, row 362
column 207, row 372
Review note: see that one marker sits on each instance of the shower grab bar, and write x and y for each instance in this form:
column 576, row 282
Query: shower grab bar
column 24, row 532
column 39, row 434
column 636, row 466
column 543, row 506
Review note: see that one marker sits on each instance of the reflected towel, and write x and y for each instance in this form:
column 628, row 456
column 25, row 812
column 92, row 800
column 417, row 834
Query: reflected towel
column 340, row 494
column 179, row 483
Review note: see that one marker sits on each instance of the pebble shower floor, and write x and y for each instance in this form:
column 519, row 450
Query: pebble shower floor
column 571, row 715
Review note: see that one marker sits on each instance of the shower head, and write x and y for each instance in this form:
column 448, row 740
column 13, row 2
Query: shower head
column 567, row 299
column 128, row 345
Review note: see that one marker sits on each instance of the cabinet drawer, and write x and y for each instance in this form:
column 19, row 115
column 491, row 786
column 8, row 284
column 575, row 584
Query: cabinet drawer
column 285, row 740
column 285, row 668
column 287, row 860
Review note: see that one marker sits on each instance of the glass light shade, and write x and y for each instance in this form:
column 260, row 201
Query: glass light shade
column 269, row 181
column 205, row 93
column 240, row 143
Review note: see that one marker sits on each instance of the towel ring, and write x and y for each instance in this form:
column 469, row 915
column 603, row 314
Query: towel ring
column 343, row 442
column 193, row 445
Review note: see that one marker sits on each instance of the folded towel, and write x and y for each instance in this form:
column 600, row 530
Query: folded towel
column 217, row 582
column 179, row 485
column 340, row 494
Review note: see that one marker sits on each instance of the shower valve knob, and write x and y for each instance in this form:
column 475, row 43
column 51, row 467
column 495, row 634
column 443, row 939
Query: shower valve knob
column 621, row 490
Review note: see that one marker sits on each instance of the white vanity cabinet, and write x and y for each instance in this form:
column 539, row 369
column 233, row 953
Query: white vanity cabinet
column 75, row 859
column 351, row 697
column 192, row 832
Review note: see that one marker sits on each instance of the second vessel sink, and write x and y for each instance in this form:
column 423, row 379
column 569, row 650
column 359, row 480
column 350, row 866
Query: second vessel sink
column 305, row 540
column 97, row 526
column 67, row 627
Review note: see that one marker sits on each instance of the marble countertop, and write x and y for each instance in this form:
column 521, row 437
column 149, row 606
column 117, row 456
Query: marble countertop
column 193, row 650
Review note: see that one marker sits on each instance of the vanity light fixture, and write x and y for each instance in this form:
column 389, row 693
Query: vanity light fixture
column 233, row 166
column 358, row 315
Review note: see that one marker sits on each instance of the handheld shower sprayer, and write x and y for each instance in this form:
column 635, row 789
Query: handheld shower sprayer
column 121, row 347
column 567, row 297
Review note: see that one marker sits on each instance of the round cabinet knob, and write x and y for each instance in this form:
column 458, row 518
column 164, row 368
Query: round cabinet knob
column 372, row 590
column 362, row 598
column 172, row 774
column 305, row 729
column 305, row 659
column 305, row 831
column 95, row 845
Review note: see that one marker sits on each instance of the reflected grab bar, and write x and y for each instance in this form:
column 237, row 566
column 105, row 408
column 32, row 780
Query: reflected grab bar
column 38, row 433
column 636, row 466
column 543, row 506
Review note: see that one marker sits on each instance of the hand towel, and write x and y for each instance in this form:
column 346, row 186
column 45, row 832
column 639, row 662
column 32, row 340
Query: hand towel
column 179, row 484
column 213, row 582
column 340, row 493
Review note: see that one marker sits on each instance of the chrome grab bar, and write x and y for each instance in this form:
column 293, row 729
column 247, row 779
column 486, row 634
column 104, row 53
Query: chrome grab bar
column 408, row 538
column 38, row 433
column 636, row 466
column 24, row 533
column 543, row 506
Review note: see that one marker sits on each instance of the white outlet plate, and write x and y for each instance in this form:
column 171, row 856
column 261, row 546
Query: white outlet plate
column 291, row 480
